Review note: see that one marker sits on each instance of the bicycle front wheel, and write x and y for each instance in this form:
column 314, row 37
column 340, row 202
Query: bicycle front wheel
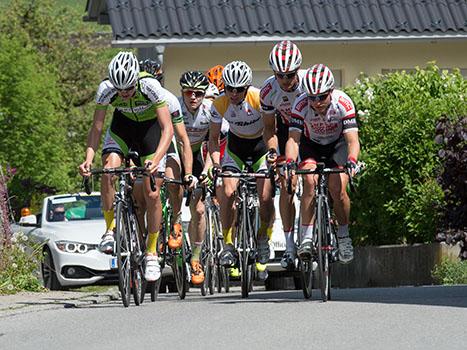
column 323, row 250
column 180, row 270
column 123, row 253
column 137, row 255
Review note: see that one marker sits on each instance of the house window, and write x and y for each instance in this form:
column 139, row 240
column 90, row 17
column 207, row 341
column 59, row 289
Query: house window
column 259, row 76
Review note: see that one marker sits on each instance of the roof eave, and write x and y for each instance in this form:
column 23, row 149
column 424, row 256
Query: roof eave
column 137, row 43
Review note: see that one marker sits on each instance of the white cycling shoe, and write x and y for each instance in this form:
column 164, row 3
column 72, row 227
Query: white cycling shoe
column 153, row 270
column 107, row 242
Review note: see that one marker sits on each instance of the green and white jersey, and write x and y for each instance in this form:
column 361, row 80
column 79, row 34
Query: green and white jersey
column 141, row 107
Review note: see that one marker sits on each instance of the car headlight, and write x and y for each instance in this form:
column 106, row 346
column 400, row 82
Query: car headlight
column 74, row 247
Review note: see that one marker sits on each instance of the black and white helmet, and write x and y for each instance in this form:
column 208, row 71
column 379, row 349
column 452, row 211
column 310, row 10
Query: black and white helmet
column 318, row 80
column 285, row 57
column 194, row 80
column 237, row 74
column 124, row 70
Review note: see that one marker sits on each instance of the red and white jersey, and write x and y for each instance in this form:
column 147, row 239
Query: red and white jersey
column 324, row 129
column 274, row 99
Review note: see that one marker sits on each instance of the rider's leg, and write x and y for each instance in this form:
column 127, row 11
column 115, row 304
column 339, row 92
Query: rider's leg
column 173, row 171
column 140, row 204
column 287, row 211
column 227, row 211
column 109, row 160
column 197, row 232
column 341, row 203
column 267, row 216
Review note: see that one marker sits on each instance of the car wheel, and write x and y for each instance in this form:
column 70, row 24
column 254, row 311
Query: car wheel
column 49, row 275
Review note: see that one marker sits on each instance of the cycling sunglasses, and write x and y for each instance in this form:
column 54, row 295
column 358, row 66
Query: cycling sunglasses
column 239, row 90
column 189, row 93
column 316, row 98
column 290, row 75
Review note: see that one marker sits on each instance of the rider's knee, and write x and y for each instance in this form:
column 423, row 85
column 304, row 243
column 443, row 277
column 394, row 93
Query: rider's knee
column 338, row 193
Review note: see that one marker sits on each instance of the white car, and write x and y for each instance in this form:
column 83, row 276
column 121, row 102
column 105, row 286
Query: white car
column 70, row 226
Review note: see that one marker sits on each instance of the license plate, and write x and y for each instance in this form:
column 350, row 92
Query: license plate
column 113, row 263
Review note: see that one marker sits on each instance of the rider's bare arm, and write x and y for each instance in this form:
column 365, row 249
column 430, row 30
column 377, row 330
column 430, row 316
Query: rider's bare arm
column 165, row 122
column 187, row 154
column 269, row 133
column 353, row 144
column 291, row 147
column 93, row 139
column 214, row 149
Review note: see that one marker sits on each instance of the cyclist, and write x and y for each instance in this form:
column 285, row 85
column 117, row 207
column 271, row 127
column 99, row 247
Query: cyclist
column 153, row 67
column 141, row 121
column 196, row 111
column 240, row 106
column 214, row 75
column 324, row 127
column 277, row 97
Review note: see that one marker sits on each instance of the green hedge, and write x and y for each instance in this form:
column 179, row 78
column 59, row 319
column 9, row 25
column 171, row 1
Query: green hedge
column 398, row 198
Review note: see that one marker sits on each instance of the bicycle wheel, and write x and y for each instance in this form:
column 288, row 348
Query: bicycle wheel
column 137, row 255
column 323, row 250
column 306, row 274
column 123, row 253
column 245, row 271
column 180, row 270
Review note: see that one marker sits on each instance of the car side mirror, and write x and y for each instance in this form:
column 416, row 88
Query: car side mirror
column 28, row 220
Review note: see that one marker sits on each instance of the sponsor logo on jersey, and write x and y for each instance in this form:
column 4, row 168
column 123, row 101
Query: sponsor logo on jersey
column 301, row 104
column 345, row 103
column 285, row 99
column 247, row 122
column 265, row 90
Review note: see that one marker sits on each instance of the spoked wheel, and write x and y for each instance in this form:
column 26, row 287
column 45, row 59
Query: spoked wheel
column 180, row 270
column 306, row 273
column 137, row 258
column 154, row 288
column 209, row 276
column 323, row 253
column 123, row 254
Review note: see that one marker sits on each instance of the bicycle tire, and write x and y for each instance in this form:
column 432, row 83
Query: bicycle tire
column 244, row 273
column 180, row 270
column 323, row 255
column 123, row 253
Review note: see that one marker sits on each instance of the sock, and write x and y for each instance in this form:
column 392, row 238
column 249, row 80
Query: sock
column 152, row 242
column 289, row 241
column 343, row 231
column 264, row 230
column 196, row 251
column 109, row 219
column 227, row 232
column 307, row 232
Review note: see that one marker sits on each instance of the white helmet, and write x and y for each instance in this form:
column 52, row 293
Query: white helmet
column 237, row 74
column 124, row 70
column 318, row 80
column 212, row 91
column 285, row 57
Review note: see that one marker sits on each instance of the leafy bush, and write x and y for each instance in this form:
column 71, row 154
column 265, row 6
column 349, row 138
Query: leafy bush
column 452, row 136
column 398, row 198
column 18, row 266
column 48, row 77
column 451, row 272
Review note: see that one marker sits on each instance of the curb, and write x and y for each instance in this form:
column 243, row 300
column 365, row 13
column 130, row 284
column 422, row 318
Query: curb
column 33, row 302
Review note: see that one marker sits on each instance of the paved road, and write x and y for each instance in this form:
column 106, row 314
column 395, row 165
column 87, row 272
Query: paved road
column 379, row 318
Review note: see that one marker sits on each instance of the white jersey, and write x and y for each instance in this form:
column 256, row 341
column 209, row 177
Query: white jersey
column 274, row 99
column 324, row 129
column 244, row 119
column 197, row 125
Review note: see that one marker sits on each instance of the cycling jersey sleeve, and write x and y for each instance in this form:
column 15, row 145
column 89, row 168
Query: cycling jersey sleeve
column 151, row 88
column 218, row 108
column 298, row 113
column 349, row 119
column 104, row 95
column 265, row 99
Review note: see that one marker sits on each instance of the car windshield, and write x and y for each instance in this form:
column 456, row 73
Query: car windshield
column 74, row 207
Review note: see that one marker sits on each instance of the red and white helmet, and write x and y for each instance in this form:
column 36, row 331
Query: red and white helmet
column 285, row 57
column 318, row 80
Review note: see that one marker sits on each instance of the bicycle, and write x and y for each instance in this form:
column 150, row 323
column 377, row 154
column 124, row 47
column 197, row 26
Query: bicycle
column 129, row 244
column 247, row 222
column 177, row 259
column 216, row 275
column 324, row 232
